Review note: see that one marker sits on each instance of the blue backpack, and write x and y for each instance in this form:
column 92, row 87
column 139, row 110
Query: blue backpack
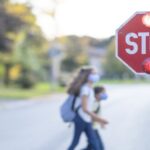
column 67, row 110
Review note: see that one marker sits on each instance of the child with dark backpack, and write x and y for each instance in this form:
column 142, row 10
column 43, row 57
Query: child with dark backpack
column 100, row 95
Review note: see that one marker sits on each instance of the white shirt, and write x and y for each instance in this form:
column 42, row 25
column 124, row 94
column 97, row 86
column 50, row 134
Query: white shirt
column 87, row 91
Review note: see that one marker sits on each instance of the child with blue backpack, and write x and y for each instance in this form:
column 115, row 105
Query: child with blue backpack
column 100, row 95
column 82, row 94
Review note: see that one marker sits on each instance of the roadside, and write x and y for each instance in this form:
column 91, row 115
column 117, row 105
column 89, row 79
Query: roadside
column 16, row 93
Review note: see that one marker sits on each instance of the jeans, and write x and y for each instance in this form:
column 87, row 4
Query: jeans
column 99, row 141
column 80, row 127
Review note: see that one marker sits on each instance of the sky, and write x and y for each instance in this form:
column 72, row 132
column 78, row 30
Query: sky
column 95, row 18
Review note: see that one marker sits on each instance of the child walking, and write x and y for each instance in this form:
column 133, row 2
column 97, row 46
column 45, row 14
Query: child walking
column 100, row 95
column 82, row 86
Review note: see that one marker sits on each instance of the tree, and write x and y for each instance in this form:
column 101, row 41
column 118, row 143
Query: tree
column 112, row 67
column 19, row 36
column 75, row 53
column 10, row 25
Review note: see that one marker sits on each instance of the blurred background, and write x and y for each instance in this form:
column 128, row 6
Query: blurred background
column 42, row 44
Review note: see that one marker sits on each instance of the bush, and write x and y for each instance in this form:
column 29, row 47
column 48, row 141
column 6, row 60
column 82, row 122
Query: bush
column 26, row 81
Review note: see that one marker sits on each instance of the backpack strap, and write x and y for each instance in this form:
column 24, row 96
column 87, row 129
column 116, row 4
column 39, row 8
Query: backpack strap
column 76, row 110
column 97, row 110
column 73, row 104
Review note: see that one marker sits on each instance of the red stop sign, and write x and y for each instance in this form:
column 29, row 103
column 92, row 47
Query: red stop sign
column 133, row 41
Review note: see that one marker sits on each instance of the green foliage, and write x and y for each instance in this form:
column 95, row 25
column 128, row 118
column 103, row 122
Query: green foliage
column 75, row 53
column 26, row 81
column 9, row 24
column 69, row 64
column 113, row 67
column 3, row 1
column 21, row 42
column 1, row 70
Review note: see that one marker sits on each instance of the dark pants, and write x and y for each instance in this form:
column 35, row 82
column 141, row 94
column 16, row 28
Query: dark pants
column 82, row 126
column 99, row 141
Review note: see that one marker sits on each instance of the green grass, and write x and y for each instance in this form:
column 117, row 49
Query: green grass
column 47, row 88
column 126, row 81
column 39, row 90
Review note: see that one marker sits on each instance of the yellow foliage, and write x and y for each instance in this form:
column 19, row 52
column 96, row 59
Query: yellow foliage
column 22, row 11
column 63, row 40
column 11, row 35
column 81, row 59
column 20, row 36
column 15, row 72
column 16, row 8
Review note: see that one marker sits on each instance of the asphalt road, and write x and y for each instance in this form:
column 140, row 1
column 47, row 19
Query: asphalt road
column 36, row 124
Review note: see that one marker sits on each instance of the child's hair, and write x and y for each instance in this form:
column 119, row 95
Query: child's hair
column 81, row 78
column 98, row 89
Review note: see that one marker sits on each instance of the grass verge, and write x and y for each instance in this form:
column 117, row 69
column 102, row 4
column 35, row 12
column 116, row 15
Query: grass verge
column 46, row 88
column 39, row 90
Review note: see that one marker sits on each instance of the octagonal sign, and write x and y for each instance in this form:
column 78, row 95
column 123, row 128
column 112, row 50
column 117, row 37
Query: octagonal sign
column 133, row 41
